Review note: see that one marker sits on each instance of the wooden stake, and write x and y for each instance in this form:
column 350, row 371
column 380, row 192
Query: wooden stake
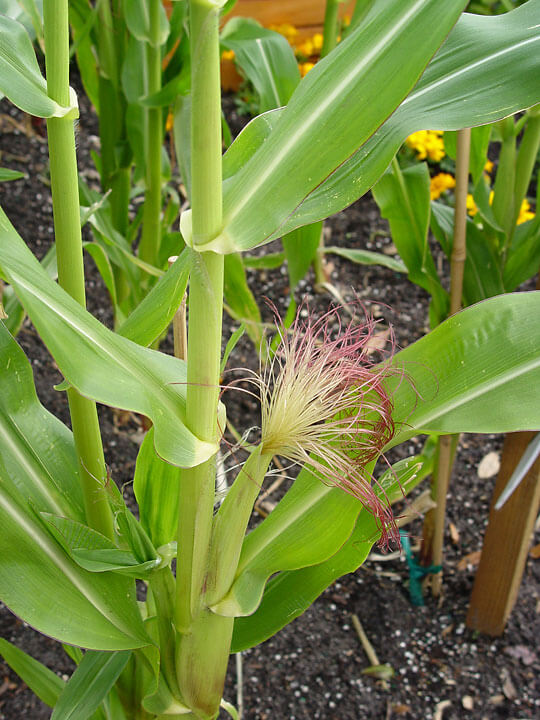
column 433, row 534
column 506, row 542
column 444, row 472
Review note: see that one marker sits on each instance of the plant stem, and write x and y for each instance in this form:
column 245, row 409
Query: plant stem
column 330, row 29
column 396, row 169
column 115, row 170
column 151, row 231
column 361, row 9
column 67, row 226
column 503, row 197
column 459, row 247
column 204, row 637
column 161, row 584
column 526, row 158
column 231, row 524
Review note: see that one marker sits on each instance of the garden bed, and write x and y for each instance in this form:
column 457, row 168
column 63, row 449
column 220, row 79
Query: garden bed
column 313, row 668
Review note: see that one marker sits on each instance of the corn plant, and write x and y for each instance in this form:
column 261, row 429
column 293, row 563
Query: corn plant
column 67, row 534
column 502, row 238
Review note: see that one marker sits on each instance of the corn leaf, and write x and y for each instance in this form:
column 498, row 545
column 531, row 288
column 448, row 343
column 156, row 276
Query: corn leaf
column 97, row 362
column 473, row 373
column 38, row 581
column 20, row 77
column 288, row 594
column 37, row 450
column 90, row 684
column 156, row 485
column 308, row 527
column 333, row 112
column 266, row 58
column 42, row 681
column 461, row 87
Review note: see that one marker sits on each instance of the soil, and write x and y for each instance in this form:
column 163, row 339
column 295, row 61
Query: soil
column 314, row 667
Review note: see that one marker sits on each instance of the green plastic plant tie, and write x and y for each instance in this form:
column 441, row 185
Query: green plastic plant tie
column 417, row 572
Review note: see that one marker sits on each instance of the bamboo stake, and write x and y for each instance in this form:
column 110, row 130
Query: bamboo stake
column 432, row 550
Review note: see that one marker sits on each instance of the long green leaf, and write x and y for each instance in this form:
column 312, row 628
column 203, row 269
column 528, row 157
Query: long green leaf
column 240, row 301
column 266, row 58
column 476, row 372
column 301, row 248
column 6, row 175
column 523, row 260
column 307, row 527
column 97, row 362
column 310, row 524
column 20, row 77
column 461, row 87
column 155, row 312
column 36, row 449
column 482, row 273
column 480, row 137
column 42, row 681
column 90, row 684
column 289, row 594
column 93, row 551
column 156, row 485
column 44, row 587
column 403, row 198
column 367, row 257
column 334, row 110
column 138, row 21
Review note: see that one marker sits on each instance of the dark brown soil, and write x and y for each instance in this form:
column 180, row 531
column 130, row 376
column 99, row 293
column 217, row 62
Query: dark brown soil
column 313, row 668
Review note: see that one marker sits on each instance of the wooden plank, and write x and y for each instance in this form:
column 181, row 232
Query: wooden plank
column 299, row 13
column 506, row 543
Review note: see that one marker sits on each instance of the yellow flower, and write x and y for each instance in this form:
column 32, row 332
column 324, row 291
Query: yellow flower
column 305, row 68
column 472, row 207
column 488, row 167
column 287, row 30
column 428, row 144
column 306, row 49
column 170, row 122
column 441, row 183
column 227, row 55
column 317, row 42
column 525, row 212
